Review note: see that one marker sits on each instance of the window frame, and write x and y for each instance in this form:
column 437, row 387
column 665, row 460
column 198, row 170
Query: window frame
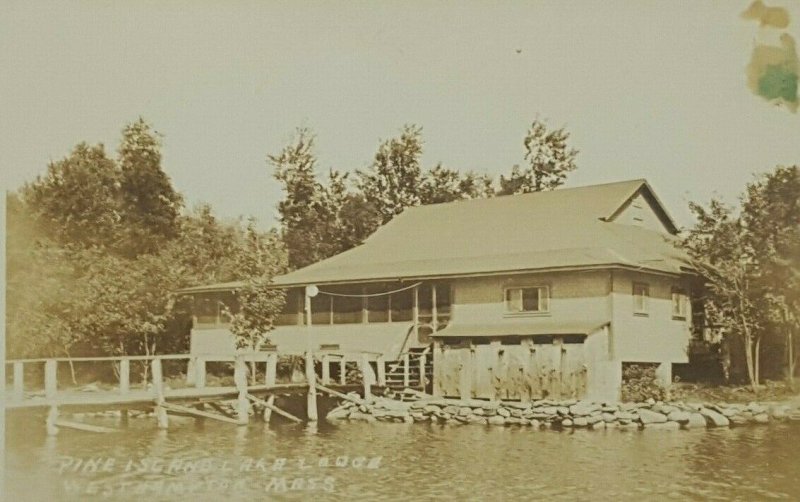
column 682, row 303
column 645, row 310
column 542, row 312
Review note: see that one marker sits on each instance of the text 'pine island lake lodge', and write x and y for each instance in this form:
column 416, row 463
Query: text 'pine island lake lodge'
column 543, row 294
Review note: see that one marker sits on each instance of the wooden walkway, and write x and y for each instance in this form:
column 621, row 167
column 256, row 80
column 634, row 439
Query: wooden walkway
column 191, row 400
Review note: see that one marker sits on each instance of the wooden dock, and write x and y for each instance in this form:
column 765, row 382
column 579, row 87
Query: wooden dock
column 192, row 399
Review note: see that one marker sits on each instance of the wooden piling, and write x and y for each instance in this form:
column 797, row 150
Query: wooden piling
column 19, row 381
column 267, row 415
column 366, row 374
column 270, row 375
column 158, row 390
column 124, row 376
column 52, row 418
column 326, row 369
column 240, row 379
column 406, row 367
column 311, row 378
column 343, row 371
column 50, row 378
column 381, row 361
column 422, row 360
column 200, row 373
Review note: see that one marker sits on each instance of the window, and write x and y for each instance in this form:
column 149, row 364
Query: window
column 402, row 304
column 680, row 303
column 641, row 298
column 532, row 299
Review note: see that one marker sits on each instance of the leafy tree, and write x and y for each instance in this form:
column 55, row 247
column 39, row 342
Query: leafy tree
column 771, row 214
column 392, row 182
column 150, row 206
column 38, row 286
column 77, row 201
column 549, row 161
column 734, row 304
column 300, row 210
column 441, row 184
column 260, row 259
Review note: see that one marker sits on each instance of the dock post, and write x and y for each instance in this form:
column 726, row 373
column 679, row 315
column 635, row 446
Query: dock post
column 366, row 374
column 52, row 418
column 19, row 381
column 311, row 378
column 270, row 376
column 267, row 415
column 50, row 378
column 406, row 364
column 200, row 373
column 158, row 389
column 343, row 371
column 326, row 369
column 240, row 379
column 124, row 376
column 422, row 360
column 381, row 370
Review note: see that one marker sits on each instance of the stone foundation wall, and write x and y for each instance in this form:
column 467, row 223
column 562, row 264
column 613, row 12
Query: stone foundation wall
column 566, row 414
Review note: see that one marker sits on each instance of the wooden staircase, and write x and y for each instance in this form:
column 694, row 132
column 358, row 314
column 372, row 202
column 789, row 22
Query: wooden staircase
column 413, row 370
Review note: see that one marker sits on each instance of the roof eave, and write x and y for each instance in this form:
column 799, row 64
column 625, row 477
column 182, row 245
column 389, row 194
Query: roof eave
column 412, row 277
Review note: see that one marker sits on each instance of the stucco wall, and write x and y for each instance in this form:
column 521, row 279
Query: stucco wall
column 586, row 297
column 655, row 337
column 574, row 297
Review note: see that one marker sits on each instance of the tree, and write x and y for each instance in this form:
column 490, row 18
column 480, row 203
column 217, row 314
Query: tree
column 392, row 182
column 149, row 205
column 39, row 284
column 549, row 161
column 771, row 214
column 441, row 184
column 734, row 304
column 261, row 258
column 300, row 210
column 77, row 201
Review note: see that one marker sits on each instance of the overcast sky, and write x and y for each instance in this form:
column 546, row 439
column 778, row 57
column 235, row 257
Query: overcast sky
column 652, row 90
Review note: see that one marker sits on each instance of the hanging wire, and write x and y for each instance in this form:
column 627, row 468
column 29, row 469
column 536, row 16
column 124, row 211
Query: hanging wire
column 370, row 295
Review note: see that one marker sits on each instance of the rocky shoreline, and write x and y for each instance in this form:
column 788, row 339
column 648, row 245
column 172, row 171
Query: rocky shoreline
column 564, row 414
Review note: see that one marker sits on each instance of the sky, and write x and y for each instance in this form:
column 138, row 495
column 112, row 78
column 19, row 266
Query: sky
column 654, row 90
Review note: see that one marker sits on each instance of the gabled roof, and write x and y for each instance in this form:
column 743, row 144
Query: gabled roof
column 559, row 229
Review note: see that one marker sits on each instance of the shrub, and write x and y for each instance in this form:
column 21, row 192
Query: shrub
column 639, row 383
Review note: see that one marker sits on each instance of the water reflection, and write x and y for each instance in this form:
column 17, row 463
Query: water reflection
column 390, row 461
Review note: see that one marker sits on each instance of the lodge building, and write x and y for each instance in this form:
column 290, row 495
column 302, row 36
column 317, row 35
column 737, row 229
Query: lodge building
column 539, row 294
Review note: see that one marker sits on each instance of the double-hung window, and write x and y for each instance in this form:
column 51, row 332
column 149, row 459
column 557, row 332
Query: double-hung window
column 680, row 304
column 535, row 299
column 641, row 298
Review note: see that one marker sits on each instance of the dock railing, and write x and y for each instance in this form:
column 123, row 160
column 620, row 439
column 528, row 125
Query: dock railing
column 49, row 383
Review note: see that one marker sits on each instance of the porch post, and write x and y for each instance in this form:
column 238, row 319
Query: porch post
column 415, row 313
column 311, row 375
column 434, row 313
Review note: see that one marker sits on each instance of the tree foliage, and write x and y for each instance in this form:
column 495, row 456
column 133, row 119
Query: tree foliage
column 261, row 258
column 77, row 201
column 549, row 161
column 96, row 249
column 149, row 205
column 749, row 259
column 392, row 182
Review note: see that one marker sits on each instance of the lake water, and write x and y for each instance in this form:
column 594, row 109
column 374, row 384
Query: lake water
column 383, row 461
